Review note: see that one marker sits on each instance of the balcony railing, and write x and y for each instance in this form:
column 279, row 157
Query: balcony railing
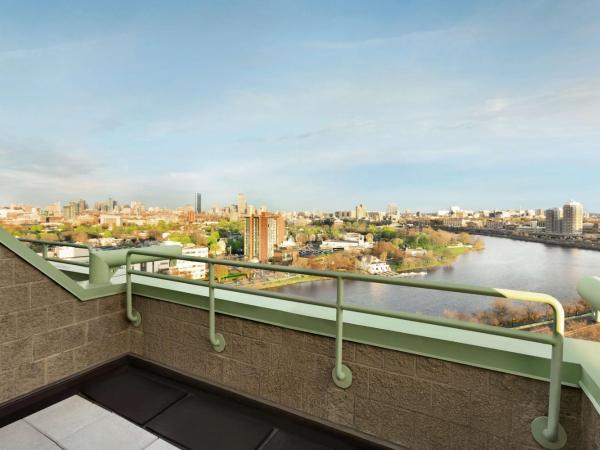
column 546, row 430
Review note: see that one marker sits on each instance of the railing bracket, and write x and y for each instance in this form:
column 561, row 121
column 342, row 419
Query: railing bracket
column 346, row 381
column 135, row 318
column 219, row 345
column 538, row 429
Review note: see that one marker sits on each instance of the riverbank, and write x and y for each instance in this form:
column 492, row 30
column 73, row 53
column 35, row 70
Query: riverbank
column 280, row 282
column 450, row 258
column 518, row 237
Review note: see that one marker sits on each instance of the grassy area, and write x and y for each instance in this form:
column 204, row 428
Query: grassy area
column 442, row 256
column 458, row 250
column 283, row 282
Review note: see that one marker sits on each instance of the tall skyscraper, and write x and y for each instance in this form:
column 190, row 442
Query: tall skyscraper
column 198, row 203
column 553, row 220
column 262, row 234
column 572, row 222
column 241, row 203
column 392, row 210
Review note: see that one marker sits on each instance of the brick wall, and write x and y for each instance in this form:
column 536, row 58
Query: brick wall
column 46, row 333
column 590, row 438
column 410, row 400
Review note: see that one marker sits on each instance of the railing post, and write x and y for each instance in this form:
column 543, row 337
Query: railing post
column 44, row 251
column 342, row 375
column 216, row 339
column 133, row 316
column 547, row 431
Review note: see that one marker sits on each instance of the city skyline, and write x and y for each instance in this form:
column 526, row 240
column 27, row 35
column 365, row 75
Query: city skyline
column 421, row 104
column 358, row 210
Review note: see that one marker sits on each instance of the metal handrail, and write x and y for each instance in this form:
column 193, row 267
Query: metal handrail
column 45, row 244
column 546, row 430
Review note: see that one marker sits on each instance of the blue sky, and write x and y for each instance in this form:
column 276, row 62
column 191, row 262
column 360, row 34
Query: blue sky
column 302, row 105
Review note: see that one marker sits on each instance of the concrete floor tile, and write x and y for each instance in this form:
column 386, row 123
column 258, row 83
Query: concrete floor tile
column 66, row 417
column 22, row 436
column 159, row 444
column 109, row 433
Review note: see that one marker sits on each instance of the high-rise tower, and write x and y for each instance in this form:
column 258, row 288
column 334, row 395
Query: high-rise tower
column 241, row 203
column 572, row 222
column 198, row 203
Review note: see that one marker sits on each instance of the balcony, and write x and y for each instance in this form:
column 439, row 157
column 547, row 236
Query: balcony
column 191, row 364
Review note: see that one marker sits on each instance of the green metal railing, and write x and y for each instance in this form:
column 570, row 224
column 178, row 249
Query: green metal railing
column 46, row 244
column 546, row 430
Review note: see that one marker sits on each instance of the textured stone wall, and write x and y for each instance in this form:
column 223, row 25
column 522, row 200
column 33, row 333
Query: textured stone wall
column 590, row 438
column 409, row 400
column 46, row 333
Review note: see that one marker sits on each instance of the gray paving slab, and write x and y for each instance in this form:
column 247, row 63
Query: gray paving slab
column 108, row 433
column 66, row 417
column 159, row 444
column 20, row 435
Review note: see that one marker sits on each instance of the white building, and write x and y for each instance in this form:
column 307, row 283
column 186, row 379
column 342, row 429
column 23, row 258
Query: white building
column 354, row 237
column 373, row 265
column 343, row 244
column 70, row 252
column 189, row 269
column 572, row 222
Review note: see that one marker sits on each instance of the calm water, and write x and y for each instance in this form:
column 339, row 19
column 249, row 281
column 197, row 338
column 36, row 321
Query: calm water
column 503, row 264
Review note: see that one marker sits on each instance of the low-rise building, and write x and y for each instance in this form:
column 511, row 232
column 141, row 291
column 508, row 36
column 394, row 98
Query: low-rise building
column 373, row 265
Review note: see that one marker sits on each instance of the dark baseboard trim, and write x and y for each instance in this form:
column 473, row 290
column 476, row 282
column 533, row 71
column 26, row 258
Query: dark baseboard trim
column 45, row 396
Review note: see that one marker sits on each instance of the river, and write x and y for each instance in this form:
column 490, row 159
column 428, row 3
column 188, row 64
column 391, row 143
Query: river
column 504, row 263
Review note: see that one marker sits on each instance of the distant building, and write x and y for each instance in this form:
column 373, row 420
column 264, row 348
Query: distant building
column 375, row 216
column 456, row 222
column 198, row 203
column 373, row 265
column 262, row 234
column 349, row 241
column 392, row 210
column 567, row 221
column 572, row 222
column 70, row 211
column 241, row 203
column 354, row 237
column 192, row 269
column 553, row 221
column 112, row 220
column 361, row 212
column 343, row 214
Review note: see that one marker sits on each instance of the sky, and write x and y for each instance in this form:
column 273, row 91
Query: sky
column 317, row 105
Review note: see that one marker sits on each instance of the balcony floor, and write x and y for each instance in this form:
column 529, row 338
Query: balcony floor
column 131, row 408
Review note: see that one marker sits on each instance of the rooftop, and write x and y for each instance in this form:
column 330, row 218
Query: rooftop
column 111, row 340
column 136, row 406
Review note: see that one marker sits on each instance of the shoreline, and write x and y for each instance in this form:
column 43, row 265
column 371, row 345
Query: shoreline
column 298, row 279
column 538, row 240
column 287, row 281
